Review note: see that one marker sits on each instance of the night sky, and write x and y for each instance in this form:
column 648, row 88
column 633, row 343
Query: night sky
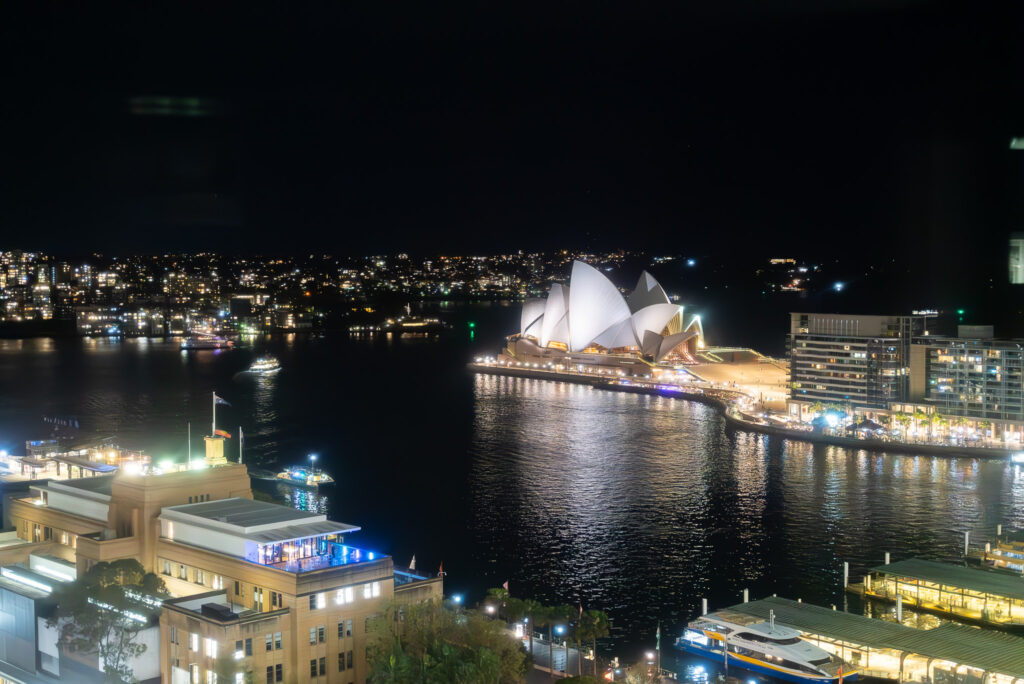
column 872, row 128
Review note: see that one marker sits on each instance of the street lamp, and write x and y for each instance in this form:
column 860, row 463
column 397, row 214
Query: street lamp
column 489, row 609
column 457, row 599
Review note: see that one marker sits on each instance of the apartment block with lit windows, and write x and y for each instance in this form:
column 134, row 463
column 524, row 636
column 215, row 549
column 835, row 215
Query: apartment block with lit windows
column 855, row 361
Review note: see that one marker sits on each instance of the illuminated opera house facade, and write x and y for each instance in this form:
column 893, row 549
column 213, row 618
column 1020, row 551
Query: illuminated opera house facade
column 589, row 323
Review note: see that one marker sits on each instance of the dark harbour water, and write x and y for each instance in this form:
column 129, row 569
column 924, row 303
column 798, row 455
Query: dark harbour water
column 638, row 505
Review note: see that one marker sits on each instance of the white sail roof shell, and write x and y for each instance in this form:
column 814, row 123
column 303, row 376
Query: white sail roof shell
column 619, row 335
column 533, row 309
column 670, row 342
column 647, row 293
column 554, row 326
column 654, row 318
column 595, row 305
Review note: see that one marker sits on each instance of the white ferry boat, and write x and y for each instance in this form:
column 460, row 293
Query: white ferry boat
column 264, row 364
column 763, row 647
column 305, row 477
column 198, row 342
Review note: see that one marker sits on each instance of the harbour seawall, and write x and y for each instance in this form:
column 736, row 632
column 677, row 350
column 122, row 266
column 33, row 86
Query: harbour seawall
column 720, row 400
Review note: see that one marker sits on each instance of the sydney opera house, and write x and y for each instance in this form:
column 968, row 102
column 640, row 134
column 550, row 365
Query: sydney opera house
column 589, row 322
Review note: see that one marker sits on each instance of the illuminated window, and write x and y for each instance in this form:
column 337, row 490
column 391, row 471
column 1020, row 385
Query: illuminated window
column 211, row 647
column 193, row 642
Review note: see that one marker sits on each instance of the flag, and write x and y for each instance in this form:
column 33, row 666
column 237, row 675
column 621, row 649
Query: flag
column 840, row 674
column 505, row 585
column 440, row 570
column 221, row 401
column 222, row 433
column 657, row 636
column 412, row 563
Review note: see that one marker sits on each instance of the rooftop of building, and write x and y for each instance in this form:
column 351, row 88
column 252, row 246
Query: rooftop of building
column 28, row 583
column 983, row 581
column 983, row 649
column 245, row 512
column 100, row 484
column 257, row 521
column 215, row 606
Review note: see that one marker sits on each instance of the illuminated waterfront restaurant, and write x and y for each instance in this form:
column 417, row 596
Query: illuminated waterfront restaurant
column 588, row 323
column 886, row 650
column 990, row 598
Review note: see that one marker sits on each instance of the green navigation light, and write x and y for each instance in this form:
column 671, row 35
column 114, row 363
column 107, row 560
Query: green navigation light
column 471, row 324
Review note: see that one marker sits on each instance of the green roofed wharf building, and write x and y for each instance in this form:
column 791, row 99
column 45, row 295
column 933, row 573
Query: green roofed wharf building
column 988, row 598
column 951, row 653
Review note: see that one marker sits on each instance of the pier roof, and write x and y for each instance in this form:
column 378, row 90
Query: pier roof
column 990, row 651
column 983, row 581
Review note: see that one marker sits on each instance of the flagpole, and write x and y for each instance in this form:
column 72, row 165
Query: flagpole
column 241, row 438
column 657, row 650
column 190, row 446
column 213, row 432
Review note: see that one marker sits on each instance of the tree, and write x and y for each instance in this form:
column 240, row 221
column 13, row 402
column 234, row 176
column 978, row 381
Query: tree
column 595, row 624
column 558, row 616
column 104, row 610
column 642, row 673
column 545, row 617
column 498, row 597
column 226, row 667
column 429, row 642
column 903, row 420
column 513, row 610
column 530, row 610
column 920, row 417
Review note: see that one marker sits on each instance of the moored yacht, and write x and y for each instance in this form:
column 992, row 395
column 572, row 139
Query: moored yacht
column 764, row 647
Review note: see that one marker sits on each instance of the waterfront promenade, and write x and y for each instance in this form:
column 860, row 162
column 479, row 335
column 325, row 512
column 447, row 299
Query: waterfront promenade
column 729, row 401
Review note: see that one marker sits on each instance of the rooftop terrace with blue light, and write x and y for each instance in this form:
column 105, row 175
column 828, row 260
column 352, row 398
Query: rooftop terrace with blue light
column 264, row 533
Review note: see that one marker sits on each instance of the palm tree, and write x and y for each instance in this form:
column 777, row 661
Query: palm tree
column 545, row 617
column 903, row 420
column 920, row 417
column 531, row 610
column 577, row 632
column 595, row 625
column 563, row 615
column 513, row 610
column 497, row 597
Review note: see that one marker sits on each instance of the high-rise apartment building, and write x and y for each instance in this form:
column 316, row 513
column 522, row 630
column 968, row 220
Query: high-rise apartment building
column 855, row 361
column 973, row 376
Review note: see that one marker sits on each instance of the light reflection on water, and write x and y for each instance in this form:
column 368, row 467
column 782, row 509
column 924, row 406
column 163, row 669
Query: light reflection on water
column 644, row 505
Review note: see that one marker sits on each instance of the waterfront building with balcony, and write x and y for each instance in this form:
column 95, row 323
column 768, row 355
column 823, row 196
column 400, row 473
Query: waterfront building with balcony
column 281, row 591
column 852, row 361
column 974, row 381
column 291, row 599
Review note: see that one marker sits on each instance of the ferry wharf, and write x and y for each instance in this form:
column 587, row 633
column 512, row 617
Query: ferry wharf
column 950, row 654
column 985, row 597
